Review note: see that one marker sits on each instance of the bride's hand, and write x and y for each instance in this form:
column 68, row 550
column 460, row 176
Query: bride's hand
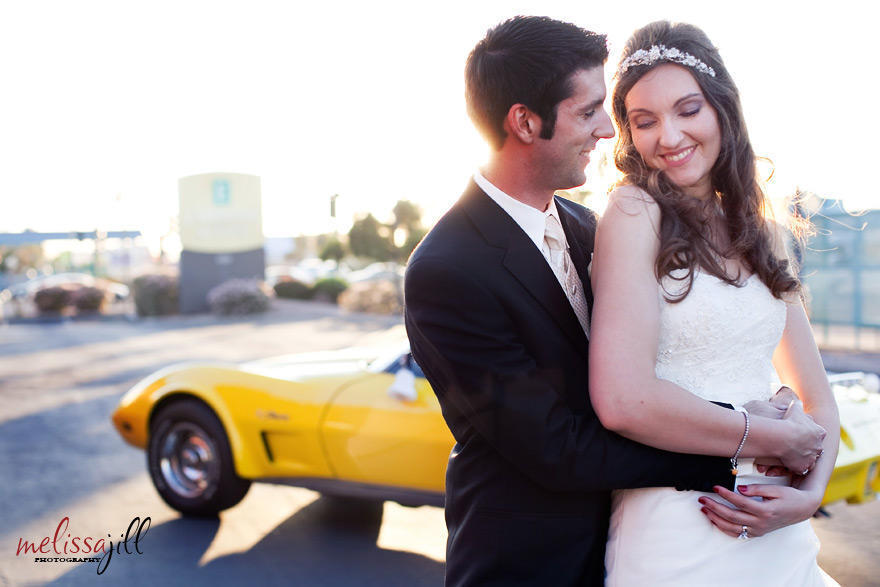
column 805, row 445
column 781, row 506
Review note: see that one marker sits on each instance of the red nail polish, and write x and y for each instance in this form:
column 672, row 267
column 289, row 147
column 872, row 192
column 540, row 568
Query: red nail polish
column 743, row 488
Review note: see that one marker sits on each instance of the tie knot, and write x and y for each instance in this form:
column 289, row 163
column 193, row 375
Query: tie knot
column 554, row 234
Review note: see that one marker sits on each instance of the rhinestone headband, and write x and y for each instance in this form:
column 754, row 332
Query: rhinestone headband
column 663, row 53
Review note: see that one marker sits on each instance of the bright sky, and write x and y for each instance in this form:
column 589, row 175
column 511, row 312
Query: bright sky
column 106, row 104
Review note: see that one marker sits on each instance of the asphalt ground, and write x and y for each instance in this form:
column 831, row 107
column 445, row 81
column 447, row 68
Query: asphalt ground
column 60, row 457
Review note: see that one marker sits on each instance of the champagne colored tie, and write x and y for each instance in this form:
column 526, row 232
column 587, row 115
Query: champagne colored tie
column 563, row 268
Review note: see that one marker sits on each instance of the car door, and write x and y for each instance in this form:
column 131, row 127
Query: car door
column 372, row 437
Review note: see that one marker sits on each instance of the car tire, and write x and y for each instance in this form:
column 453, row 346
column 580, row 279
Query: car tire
column 190, row 461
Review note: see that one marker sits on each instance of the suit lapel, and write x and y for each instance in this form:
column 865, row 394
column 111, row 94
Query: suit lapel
column 523, row 260
column 580, row 242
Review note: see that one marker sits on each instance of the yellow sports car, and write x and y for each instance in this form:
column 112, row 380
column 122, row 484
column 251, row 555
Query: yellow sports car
column 359, row 422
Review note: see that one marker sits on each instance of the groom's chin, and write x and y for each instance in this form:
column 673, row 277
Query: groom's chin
column 576, row 182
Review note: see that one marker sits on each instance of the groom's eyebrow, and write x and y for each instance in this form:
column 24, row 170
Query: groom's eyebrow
column 593, row 105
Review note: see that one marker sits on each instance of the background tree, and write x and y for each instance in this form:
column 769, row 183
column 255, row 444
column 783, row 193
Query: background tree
column 407, row 227
column 412, row 240
column 333, row 249
column 366, row 239
column 407, row 216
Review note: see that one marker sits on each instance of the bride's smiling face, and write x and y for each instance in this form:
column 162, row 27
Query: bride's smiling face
column 674, row 128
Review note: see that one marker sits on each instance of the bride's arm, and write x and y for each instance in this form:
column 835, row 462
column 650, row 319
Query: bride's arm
column 798, row 363
column 626, row 394
column 799, row 366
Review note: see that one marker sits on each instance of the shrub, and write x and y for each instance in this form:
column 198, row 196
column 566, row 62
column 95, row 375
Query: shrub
column 329, row 288
column 88, row 299
column 238, row 296
column 377, row 297
column 155, row 295
column 51, row 300
column 293, row 289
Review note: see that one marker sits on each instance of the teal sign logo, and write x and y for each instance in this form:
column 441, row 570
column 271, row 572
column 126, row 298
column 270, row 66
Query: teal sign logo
column 220, row 192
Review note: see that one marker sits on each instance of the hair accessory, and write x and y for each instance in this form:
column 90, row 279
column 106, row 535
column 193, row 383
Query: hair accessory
column 742, row 443
column 663, row 53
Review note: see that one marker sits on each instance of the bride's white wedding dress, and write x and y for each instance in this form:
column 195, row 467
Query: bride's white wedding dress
column 717, row 343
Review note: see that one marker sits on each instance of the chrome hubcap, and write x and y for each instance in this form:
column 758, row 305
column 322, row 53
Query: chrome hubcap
column 188, row 460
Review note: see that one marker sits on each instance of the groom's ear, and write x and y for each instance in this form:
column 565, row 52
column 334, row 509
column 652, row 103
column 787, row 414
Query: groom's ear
column 522, row 124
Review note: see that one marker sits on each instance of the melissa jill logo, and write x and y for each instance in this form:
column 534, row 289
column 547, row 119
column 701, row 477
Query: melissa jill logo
column 101, row 549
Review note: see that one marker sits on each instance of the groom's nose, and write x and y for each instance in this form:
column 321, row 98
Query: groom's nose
column 605, row 128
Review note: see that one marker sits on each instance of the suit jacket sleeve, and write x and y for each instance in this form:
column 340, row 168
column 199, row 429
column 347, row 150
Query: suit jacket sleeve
column 488, row 384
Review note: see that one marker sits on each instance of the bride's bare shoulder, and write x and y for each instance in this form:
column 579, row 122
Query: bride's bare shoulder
column 631, row 204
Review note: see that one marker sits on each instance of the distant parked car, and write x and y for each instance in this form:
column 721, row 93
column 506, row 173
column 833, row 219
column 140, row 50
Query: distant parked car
column 378, row 272
column 17, row 300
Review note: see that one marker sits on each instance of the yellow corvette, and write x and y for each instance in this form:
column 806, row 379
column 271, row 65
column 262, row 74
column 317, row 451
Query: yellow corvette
column 355, row 422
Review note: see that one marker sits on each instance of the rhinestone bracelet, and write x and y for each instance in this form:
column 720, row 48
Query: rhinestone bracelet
column 742, row 443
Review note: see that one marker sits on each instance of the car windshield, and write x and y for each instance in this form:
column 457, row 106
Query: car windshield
column 391, row 362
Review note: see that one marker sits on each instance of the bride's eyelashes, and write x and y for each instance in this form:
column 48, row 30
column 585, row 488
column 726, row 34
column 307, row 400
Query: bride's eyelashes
column 689, row 111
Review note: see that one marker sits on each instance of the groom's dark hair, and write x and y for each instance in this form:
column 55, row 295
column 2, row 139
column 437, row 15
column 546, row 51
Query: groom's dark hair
column 527, row 60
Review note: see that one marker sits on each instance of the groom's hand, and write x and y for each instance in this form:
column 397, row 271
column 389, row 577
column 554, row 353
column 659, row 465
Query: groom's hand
column 765, row 409
column 806, row 447
column 781, row 506
column 776, row 408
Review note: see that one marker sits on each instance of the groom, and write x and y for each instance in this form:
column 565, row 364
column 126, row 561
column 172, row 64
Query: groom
column 505, row 347
column 497, row 313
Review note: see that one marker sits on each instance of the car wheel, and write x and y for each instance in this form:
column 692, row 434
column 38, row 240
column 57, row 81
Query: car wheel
column 190, row 461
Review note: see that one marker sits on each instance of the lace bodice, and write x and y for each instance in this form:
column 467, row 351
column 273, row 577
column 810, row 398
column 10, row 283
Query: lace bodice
column 718, row 342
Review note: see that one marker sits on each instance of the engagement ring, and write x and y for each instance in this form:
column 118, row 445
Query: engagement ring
column 744, row 535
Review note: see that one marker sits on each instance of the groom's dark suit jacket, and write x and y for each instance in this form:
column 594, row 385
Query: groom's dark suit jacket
column 529, row 479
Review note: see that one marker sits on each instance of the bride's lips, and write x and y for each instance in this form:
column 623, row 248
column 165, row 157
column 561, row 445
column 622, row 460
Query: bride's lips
column 679, row 157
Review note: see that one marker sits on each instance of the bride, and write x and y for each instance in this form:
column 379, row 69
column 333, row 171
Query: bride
column 685, row 247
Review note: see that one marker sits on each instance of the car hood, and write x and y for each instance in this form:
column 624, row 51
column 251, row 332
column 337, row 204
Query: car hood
column 299, row 367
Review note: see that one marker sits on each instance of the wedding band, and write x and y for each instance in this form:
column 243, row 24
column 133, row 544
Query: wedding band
column 744, row 535
column 804, row 473
column 821, row 450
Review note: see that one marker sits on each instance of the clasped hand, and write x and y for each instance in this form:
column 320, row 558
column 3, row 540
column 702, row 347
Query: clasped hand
column 801, row 453
column 780, row 506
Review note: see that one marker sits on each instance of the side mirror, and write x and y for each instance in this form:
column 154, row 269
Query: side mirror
column 404, row 386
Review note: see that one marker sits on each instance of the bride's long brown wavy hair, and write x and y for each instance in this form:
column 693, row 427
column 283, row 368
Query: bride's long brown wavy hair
column 685, row 241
